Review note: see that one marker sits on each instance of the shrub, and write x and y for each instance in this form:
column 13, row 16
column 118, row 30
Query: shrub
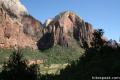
column 16, row 68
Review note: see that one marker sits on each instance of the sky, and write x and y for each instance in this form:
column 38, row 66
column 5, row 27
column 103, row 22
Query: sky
column 102, row 14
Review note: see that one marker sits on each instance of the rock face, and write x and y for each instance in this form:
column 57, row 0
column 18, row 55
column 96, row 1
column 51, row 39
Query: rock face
column 112, row 43
column 14, row 6
column 14, row 33
column 32, row 27
column 66, row 29
column 19, row 29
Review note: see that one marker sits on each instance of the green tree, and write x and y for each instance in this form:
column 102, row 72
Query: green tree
column 97, row 39
column 17, row 69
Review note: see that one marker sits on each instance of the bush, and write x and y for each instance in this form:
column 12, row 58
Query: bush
column 16, row 68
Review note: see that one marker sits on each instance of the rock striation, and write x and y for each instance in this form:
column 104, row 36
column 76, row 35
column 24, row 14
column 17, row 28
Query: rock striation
column 16, row 33
column 19, row 29
column 66, row 29
column 14, row 7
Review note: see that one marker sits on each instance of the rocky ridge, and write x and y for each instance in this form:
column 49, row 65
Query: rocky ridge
column 14, row 6
column 19, row 29
column 66, row 29
column 15, row 31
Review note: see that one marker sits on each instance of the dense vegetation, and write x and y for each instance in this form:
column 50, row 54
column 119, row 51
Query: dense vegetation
column 98, row 62
column 54, row 55
column 16, row 68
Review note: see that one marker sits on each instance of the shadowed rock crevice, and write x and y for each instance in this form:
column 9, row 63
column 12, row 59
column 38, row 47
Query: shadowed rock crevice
column 68, row 29
column 46, row 41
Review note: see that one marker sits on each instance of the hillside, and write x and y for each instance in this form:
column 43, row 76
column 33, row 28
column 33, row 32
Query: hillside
column 58, row 41
column 20, row 29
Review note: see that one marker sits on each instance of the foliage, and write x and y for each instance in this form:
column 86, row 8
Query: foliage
column 99, row 61
column 54, row 55
column 102, row 60
column 59, row 54
column 97, row 39
column 16, row 68
column 4, row 54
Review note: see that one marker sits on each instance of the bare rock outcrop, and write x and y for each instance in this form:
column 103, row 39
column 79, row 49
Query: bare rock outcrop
column 12, row 33
column 14, row 7
column 66, row 29
column 19, row 29
column 32, row 27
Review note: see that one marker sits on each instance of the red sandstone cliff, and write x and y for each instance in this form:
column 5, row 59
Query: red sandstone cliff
column 19, row 29
column 66, row 29
column 12, row 31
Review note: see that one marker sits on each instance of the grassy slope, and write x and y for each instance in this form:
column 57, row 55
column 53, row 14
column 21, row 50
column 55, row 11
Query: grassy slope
column 55, row 55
